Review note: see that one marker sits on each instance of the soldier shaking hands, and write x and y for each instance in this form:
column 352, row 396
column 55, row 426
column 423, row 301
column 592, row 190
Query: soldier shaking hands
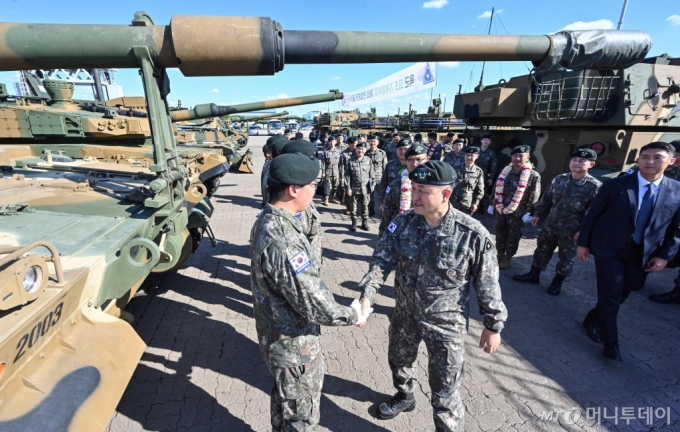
column 435, row 251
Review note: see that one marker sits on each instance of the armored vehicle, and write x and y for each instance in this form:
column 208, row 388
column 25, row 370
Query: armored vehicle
column 612, row 109
column 76, row 243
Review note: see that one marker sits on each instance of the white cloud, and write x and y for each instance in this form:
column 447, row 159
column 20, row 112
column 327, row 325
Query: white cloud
column 451, row 64
column 395, row 100
column 487, row 14
column 336, row 78
column 674, row 20
column 213, row 91
column 603, row 24
column 435, row 4
column 280, row 96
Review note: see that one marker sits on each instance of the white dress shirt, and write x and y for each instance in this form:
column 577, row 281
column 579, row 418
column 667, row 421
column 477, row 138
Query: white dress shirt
column 642, row 188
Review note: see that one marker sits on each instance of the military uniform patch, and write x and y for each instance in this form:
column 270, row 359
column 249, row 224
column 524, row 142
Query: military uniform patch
column 298, row 214
column 488, row 245
column 451, row 273
column 300, row 261
column 387, row 190
column 392, row 227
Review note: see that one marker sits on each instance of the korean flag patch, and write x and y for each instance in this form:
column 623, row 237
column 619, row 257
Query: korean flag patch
column 298, row 214
column 392, row 227
column 300, row 262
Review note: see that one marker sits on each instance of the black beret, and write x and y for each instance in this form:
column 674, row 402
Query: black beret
column 418, row 136
column 450, row 134
column 462, row 136
column 676, row 144
column 521, row 149
column 362, row 135
column 272, row 139
column 395, row 135
column 458, row 140
column 267, row 148
column 414, row 150
column 370, row 137
column 362, row 144
column 352, row 139
column 299, row 146
column 278, row 146
column 433, row 173
column 331, row 138
column 287, row 131
column 294, row 169
column 404, row 142
column 585, row 154
column 486, row 136
column 298, row 135
column 432, row 134
column 472, row 149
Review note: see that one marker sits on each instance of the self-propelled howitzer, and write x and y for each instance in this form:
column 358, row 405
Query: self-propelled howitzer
column 60, row 331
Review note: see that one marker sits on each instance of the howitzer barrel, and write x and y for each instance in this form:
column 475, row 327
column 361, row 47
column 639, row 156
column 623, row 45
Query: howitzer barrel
column 212, row 110
column 228, row 46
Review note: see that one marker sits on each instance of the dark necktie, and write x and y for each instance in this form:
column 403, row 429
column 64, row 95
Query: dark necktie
column 644, row 215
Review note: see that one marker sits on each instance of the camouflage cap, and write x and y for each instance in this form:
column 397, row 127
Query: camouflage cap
column 299, row 146
column 404, row 142
column 278, row 146
column 521, row 149
column 433, row 173
column 585, row 154
column 294, row 169
column 352, row 139
column 415, row 150
column 472, row 149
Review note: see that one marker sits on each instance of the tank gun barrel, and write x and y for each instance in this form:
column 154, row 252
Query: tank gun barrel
column 213, row 110
column 232, row 46
column 258, row 117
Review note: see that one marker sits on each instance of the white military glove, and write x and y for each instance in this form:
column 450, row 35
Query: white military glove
column 490, row 210
column 526, row 218
column 357, row 307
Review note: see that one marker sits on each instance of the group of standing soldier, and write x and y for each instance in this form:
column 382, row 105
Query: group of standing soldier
column 435, row 252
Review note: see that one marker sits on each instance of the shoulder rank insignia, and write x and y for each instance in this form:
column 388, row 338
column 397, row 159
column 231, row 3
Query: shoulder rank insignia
column 300, row 261
column 392, row 227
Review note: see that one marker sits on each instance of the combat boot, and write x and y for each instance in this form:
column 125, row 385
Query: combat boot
column 400, row 402
column 499, row 256
column 534, row 276
column 335, row 201
column 505, row 262
column 325, row 202
column 556, row 285
column 354, row 225
column 364, row 225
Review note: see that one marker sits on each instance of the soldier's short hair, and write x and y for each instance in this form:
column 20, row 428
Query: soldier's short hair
column 659, row 145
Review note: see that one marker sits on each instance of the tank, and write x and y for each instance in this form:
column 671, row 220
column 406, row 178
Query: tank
column 77, row 243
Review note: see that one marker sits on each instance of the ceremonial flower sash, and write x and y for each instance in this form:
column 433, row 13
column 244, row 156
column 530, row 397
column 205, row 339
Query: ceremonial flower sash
column 519, row 193
column 405, row 189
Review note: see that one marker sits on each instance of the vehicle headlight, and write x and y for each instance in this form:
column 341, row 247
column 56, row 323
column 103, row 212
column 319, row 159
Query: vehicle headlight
column 32, row 279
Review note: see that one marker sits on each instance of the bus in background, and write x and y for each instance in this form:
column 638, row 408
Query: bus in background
column 274, row 127
column 293, row 126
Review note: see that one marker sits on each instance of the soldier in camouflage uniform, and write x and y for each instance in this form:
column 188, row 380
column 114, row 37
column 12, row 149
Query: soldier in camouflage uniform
column 435, row 252
column 435, row 151
column 448, row 142
column 488, row 163
column 564, row 204
column 290, row 301
column 359, row 180
column 415, row 155
column 509, row 223
column 455, row 157
column 379, row 158
column 393, row 169
column 341, row 144
column 330, row 172
column 391, row 147
column 346, row 155
column 469, row 188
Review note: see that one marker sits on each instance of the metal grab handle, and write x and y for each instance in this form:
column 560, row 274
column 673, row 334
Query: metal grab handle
column 16, row 251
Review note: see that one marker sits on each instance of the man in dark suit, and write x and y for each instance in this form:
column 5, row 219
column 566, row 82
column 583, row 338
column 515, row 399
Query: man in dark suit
column 632, row 228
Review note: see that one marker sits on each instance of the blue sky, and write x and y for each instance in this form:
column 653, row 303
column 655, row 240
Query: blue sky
column 433, row 16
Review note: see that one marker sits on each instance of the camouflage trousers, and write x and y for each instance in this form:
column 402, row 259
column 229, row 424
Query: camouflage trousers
column 508, row 233
column 358, row 205
column 547, row 242
column 445, row 369
column 296, row 395
column 461, row 208
column 331, row 184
